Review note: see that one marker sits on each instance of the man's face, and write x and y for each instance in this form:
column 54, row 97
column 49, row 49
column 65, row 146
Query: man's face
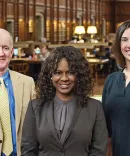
column 6, row 50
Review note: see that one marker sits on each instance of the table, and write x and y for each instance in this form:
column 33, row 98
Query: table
column 34, row 66
column 94, row 62
column 97, row 60
column 36, row 63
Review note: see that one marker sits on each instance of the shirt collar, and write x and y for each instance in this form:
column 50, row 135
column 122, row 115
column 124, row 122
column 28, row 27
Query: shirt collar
column 6, row 76
column 62, row 102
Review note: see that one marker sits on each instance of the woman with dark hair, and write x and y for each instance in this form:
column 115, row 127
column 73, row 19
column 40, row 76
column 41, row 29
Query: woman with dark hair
column 64, row 120
column 116, row 95
column 45, row 52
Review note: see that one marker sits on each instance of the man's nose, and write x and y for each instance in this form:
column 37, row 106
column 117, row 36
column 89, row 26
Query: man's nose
column 1, row 51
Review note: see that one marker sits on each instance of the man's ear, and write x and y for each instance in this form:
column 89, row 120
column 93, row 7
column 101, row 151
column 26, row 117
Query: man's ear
column 12, row 51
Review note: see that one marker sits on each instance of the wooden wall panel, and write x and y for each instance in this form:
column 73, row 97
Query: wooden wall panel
column 31, row 11
column 10, row 8
column 62, row 3
column 122, row 11
column 108, row 15
column 61, row 16
column 21, row 11
column 21, row 30
column 48, row 2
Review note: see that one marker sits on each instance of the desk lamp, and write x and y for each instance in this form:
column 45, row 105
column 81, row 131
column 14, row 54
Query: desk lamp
column 79, row 30
column 92, row 30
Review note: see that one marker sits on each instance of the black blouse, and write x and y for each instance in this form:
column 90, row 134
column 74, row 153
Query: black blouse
column 116, row 104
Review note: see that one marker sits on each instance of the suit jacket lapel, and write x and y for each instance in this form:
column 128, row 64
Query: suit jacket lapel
column 18, row 95
column 1, row 138
column 50, row 118
column 66, row 131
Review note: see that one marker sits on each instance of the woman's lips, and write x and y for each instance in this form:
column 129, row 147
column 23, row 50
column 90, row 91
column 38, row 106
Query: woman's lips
column 128, row 52
column 64, row 86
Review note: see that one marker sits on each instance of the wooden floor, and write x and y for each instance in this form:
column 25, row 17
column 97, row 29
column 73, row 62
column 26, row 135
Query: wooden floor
column 98, row 85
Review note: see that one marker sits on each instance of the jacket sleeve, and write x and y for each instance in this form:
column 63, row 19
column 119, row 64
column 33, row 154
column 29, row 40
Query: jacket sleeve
column 99, row 140
column 29, row 144
column 33, row 92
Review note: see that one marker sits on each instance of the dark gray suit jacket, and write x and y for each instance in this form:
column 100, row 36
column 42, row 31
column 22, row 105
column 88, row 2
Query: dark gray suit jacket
column 87, row 135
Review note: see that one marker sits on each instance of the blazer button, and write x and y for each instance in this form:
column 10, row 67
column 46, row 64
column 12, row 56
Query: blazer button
column 62, row 150
column 0, row 141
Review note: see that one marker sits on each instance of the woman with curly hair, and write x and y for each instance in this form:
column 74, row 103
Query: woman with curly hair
column 64, row 120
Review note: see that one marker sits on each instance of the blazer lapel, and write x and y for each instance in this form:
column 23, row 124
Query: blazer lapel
column 67, row 132
column 1, row 138
column 18, row 95
column 50, row 118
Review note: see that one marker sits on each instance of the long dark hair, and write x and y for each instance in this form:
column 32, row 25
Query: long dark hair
column 117, row 44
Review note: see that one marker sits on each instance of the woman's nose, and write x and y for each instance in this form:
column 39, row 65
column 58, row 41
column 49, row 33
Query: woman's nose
column 128, row 44
column 64, row 77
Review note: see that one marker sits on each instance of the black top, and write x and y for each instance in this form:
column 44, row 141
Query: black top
column 116, row 103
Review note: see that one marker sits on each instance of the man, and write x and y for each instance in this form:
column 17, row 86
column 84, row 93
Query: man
column 20, row 90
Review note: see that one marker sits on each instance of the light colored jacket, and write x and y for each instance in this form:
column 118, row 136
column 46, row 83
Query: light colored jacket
column 24, row 91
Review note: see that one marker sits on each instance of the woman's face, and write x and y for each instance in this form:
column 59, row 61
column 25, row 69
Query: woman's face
column 125, row 44
column 44, row 50
column 64, row 80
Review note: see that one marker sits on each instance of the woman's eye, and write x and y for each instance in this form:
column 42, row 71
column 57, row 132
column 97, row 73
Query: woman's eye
column 124, row 39
column 71, row 73
column 57, row 73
